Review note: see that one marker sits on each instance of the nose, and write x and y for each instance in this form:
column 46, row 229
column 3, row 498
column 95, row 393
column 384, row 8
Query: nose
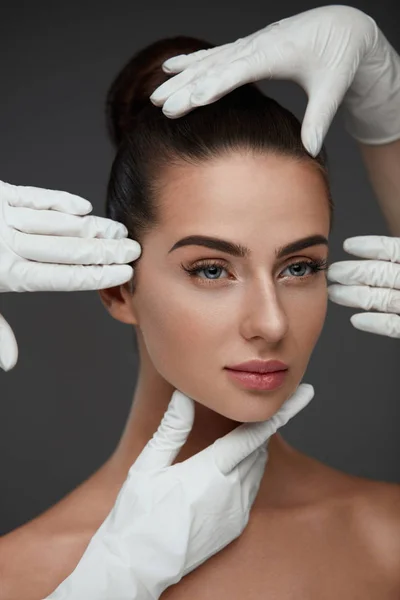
column 263, row 315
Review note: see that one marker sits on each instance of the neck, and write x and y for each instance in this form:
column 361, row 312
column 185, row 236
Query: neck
column 150, row 401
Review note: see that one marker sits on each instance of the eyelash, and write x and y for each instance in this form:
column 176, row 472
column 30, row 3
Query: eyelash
column 193, row 271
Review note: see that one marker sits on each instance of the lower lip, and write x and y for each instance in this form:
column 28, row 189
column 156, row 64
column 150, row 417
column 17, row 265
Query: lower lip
column 259, row 381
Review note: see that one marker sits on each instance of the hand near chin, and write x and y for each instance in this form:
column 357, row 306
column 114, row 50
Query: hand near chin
column 370, row 284
column 169, row 519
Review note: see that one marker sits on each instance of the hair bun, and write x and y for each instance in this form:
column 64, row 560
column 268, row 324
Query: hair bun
column 134, row 84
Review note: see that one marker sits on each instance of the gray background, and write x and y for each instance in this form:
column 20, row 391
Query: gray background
column 64, row 405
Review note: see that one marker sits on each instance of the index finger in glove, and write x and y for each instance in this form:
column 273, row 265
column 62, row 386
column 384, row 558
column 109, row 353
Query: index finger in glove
column 232, row 448
column 381, row 247
column 71, row 278
column 376, row 273
column 360, row 296
column 34, row 197
column 74, row 251
column 182, row 61
column 209, row 87
column 191, row 66
column 229, row 62
column 178, row 63
column 381, row 324
column 215, row 75
column 54, row 223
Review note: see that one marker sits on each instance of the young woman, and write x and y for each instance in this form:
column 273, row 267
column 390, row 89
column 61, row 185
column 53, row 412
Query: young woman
column 233, row 217
column 214, row 198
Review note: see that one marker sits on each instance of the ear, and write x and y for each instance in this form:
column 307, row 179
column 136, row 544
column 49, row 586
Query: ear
column 118, row 301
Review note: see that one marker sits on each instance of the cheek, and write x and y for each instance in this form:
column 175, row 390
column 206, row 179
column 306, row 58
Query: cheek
column 178, row 332
column 307, row 316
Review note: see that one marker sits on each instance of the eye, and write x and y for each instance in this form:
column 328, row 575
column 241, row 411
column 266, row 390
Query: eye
column 213, row 268
column 300, row 268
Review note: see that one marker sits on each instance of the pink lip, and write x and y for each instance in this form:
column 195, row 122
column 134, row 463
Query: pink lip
column 258, row 381
column 260, row 366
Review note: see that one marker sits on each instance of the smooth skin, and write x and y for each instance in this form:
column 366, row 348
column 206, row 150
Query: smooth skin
column 313, row 530
column 359, row 518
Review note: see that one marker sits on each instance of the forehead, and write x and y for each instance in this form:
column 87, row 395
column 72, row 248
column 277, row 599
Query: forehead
column 244, row 192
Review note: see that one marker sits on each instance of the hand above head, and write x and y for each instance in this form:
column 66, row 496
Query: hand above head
column 370, row 284
column 49, row 243
column 336, row 53
column 169, row 519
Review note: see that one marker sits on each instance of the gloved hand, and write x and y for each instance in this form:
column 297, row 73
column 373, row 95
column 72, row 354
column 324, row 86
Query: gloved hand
column 62, row 233
column 334, row 52
column 370, row 284
column 169, row 519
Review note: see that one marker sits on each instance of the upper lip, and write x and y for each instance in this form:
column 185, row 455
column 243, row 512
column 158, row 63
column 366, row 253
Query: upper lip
column 260, row 366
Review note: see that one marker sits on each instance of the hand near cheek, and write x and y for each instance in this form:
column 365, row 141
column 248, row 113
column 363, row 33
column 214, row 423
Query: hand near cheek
column 370, row 284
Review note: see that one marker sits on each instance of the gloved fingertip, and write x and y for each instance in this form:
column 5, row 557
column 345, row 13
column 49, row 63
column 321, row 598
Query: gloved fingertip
column 8, row 362
column 312, row 143
column 174, row 114
column 167, row 69
column 85, row 207
column 365, row 321
column 183, row 405
column 175, row 63
column 309, row 388
column 8, row 346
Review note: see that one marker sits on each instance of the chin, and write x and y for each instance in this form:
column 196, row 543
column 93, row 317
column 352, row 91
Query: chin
column 249, row 407
column 260, row 411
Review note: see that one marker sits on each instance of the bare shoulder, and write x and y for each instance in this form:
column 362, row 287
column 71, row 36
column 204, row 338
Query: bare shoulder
column 377, row 514
column 371, row 510
column 379, row 505
column 37, row 556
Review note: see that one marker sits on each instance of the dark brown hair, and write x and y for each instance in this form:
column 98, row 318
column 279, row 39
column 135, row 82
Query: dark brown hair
column 146, row 140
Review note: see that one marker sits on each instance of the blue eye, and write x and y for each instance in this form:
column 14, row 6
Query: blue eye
column 303, row 266
column 211, row 266
column 214, row 268
column 210, row 269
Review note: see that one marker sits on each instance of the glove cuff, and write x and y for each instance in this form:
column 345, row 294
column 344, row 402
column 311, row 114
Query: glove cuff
column 371, row 106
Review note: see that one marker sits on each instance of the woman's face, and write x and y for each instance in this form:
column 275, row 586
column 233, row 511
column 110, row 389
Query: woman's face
column 234, row 308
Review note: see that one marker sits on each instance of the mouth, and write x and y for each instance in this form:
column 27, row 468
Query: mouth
column 251, row 380
column 260, row 366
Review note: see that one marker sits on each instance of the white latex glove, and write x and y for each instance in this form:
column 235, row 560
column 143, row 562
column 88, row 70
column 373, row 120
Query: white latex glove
column 334, row 52
column 169, row 519
column 40, row 228
column 370, row 284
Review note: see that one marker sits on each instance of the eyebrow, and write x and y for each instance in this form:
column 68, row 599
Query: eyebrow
column 243, row 252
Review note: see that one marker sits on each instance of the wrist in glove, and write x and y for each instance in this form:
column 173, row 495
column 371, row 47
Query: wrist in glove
column 371, row 106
